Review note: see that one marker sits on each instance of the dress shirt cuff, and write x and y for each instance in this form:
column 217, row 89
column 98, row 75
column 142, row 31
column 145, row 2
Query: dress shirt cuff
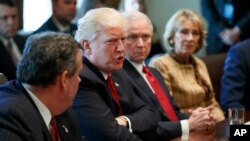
column 129, row 124
column 185, row 130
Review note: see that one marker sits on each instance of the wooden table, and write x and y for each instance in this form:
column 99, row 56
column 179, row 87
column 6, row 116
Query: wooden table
column 221, row 132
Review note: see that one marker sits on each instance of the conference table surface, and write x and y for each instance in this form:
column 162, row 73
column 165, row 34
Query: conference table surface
column 221, row 132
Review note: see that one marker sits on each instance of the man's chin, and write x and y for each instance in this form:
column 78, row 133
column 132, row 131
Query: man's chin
column 139, row 60
column 12, row 34
column 118, row 66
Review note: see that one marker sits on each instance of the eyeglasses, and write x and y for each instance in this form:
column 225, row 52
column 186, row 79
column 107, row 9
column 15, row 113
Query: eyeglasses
column 135, row 37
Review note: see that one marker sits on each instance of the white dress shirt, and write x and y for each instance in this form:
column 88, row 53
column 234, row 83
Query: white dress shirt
column 44, row 111
column 184, row 123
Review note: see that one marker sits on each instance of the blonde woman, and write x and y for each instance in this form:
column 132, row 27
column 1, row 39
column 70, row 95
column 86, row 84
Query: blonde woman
column 186, row 75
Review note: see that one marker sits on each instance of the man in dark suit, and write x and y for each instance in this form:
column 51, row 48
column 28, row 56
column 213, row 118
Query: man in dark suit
column 236, row 78
column 11, row 44
column 108, row 111
column 47, row 81
column 137, row 44
column 228, row 23
column 63, row 11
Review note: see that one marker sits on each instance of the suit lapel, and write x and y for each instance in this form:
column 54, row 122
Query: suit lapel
column 46, row 133
column 63, row 130
column 51, row 25
column 139, row 80
column 143, row 86
column 94, row 74
column 20, row 41
column 5, row 56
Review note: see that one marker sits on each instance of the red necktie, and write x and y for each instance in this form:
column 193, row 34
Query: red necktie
column 114, row 93
column 54, row 130
column 12, row 53
column 160, row 95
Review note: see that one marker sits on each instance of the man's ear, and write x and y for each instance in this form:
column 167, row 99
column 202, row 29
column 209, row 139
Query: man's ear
column 62, row 81
column 86, row 47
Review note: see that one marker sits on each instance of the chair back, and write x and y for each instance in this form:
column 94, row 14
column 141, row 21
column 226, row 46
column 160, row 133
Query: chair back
column 215, row 65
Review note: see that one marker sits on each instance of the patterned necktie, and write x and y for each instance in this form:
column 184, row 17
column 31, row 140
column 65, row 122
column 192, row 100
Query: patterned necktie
column 54, row 130
column 114, row 93
column 12, row 53
column 160, row 95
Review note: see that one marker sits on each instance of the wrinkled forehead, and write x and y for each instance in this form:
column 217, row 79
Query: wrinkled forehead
column 140, row 24
column 109, row 32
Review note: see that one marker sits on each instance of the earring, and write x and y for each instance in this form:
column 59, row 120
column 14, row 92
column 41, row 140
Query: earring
column 171, row 42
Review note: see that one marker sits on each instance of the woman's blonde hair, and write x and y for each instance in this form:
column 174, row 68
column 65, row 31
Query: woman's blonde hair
column 177, row 20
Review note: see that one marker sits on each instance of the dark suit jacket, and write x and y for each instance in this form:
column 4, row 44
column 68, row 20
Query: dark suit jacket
column 166, row 130
column 235, row 90
column 49, row 25
column 7, row 66
column 20, row 119
column 97, row 110
column 213, row 11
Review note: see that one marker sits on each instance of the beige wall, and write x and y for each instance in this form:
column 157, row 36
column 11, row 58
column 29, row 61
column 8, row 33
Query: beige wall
column 161, row 10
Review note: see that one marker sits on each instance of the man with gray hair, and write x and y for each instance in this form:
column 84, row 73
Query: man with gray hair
column 138, row 39
column 35, row 107
column 107, row 107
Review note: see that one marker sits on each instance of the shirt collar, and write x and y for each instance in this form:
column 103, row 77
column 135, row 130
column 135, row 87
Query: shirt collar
column 5, row 41
column 137, row 66
column 104, row 74
column 44, row 111
column 61, row 27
